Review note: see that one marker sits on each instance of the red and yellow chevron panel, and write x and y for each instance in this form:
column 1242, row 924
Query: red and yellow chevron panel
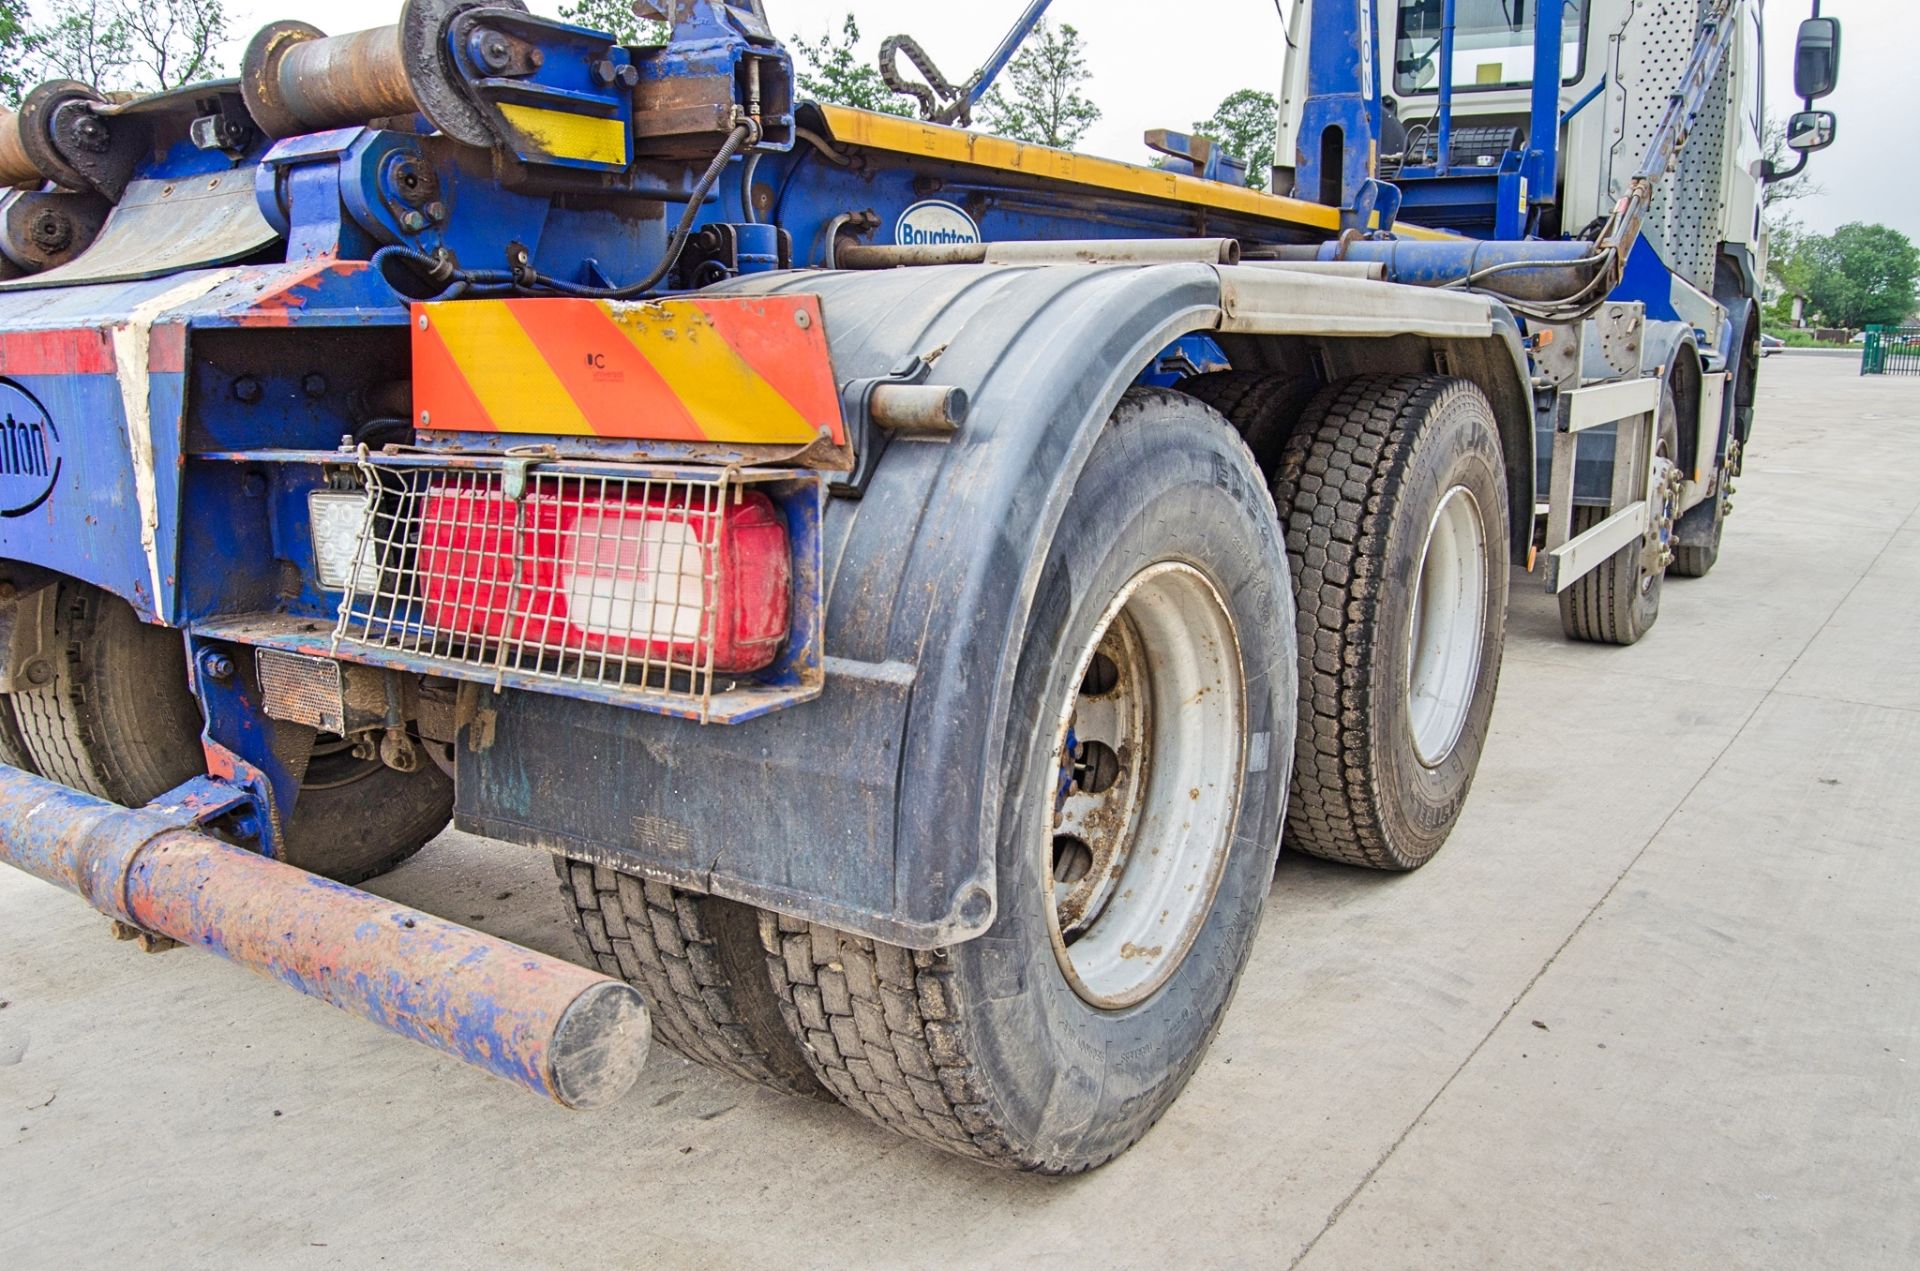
column 750, row 370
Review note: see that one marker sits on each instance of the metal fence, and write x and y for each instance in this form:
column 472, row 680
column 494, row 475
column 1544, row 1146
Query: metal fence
column 1891, row 351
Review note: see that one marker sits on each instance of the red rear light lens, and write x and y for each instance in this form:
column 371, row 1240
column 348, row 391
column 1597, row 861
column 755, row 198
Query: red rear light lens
column 687, row 577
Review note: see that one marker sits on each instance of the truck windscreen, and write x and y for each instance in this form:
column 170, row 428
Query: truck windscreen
column 1492, row 44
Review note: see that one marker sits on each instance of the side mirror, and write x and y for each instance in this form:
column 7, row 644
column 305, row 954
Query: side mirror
column 1810, row 130
column 1816, row 58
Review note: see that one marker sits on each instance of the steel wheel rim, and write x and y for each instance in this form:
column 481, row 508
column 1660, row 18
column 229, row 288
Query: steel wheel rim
column 1148, row 752
column 1446, row 627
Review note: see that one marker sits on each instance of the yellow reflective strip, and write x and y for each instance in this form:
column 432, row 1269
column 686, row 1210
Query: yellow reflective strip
column 727, row 399
column 506, row 372
column 954, row 145
column 569, row 136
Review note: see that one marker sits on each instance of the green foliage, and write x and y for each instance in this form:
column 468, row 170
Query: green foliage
column 1245, row 124
column 830, row 71
column 617, row 18
column 16, row 46
column 1774, row 148
column 127, row 45
column 1856, row 276
column 1046, row 106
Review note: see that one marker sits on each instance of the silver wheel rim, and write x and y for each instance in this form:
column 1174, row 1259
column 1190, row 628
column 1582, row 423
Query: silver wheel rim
column 1449, row 618
column 1149, row 748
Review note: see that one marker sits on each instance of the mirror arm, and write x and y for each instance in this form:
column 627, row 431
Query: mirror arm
column 1773, row 174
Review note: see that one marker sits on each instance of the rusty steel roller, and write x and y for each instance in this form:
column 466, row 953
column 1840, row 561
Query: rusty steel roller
column 297, row 79
column 16, row 165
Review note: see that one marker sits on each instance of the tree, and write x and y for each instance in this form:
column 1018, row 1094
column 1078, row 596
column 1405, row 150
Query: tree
column 138, row 45
column 1774, row 147
column 1858, row 275
column 617, row 18
column 16, row 47
column 1246, row 125
column 834, row 73
column 1046, row 106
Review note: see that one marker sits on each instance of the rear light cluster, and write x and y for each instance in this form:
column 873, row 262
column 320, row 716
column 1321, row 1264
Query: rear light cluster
column 656, row 576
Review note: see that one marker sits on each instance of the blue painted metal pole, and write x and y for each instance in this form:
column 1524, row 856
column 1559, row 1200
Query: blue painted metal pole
column 559, row 1030
column 1443, row 130
column 1542, row 168
column 998, row 60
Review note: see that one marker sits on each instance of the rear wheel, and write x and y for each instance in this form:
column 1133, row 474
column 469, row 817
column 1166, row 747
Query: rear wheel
column 114, row 717
column 1393, row 493
column 698, row 962
column 1619, row 601
column 1147, row 768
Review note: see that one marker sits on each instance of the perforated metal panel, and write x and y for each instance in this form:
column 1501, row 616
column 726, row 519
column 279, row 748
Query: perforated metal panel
column 1649, row 52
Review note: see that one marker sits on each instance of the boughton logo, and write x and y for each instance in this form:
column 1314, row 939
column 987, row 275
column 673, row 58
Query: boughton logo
column 29, row 451
column 934, row 223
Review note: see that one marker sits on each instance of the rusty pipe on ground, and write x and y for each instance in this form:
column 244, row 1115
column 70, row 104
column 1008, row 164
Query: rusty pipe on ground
column 559, row 1030
column 1096, row 251
column 16, row 166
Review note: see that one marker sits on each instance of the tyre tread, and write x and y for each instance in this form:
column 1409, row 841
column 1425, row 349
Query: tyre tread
column 668, row 943
column 1335, row 488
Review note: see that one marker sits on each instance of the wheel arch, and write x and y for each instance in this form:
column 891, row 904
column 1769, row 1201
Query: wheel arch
column 1496, row 363
column 931, row 578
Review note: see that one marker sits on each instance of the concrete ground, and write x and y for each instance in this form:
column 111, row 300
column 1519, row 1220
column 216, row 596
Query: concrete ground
column 1656, row 1005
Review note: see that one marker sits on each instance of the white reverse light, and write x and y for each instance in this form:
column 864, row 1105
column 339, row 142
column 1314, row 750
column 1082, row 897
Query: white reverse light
column 339, row 517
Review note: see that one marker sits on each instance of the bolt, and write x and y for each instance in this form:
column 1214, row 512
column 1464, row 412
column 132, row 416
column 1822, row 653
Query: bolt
column 425, row 419
column 8, row 590
column 604, row 73
column 423, row 322
column 39, row 671
column 436, row 211
column 802, row 319
column 51, row 231
column 412, row 222
column 492, row 50
column 629, row 76
column 314, row 385
column 218, row 666
column 246, row 390
column 536, row 58
column 91, row 133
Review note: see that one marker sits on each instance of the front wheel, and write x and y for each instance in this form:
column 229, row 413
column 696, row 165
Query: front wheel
column 1619, row 601
column 1148, row 752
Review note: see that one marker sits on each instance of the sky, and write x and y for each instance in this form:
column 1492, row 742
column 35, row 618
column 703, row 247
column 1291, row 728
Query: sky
column 1150, row 72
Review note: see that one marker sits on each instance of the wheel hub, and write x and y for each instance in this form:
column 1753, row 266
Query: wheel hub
column 1150, row 747
column 1447, row 625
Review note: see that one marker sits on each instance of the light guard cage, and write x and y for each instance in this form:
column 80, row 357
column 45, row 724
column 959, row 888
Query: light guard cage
column 384, row 617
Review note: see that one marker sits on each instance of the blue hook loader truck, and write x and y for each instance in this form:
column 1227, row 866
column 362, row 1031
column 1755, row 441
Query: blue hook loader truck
column 911, row 582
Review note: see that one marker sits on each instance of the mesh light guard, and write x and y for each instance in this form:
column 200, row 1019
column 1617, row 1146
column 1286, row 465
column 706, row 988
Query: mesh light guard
column 508, row 572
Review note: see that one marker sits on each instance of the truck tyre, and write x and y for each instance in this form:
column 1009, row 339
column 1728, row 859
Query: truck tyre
column 1696, row 539
column 116, row 719
column 1619, row 601
column 1261, row 405
column 1145, row 781
column 698, row 962
column 13, row 746
column 1393, row 493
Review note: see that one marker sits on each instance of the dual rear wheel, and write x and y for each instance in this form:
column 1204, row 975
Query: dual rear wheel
column 1163, row 682
column 112, row 715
